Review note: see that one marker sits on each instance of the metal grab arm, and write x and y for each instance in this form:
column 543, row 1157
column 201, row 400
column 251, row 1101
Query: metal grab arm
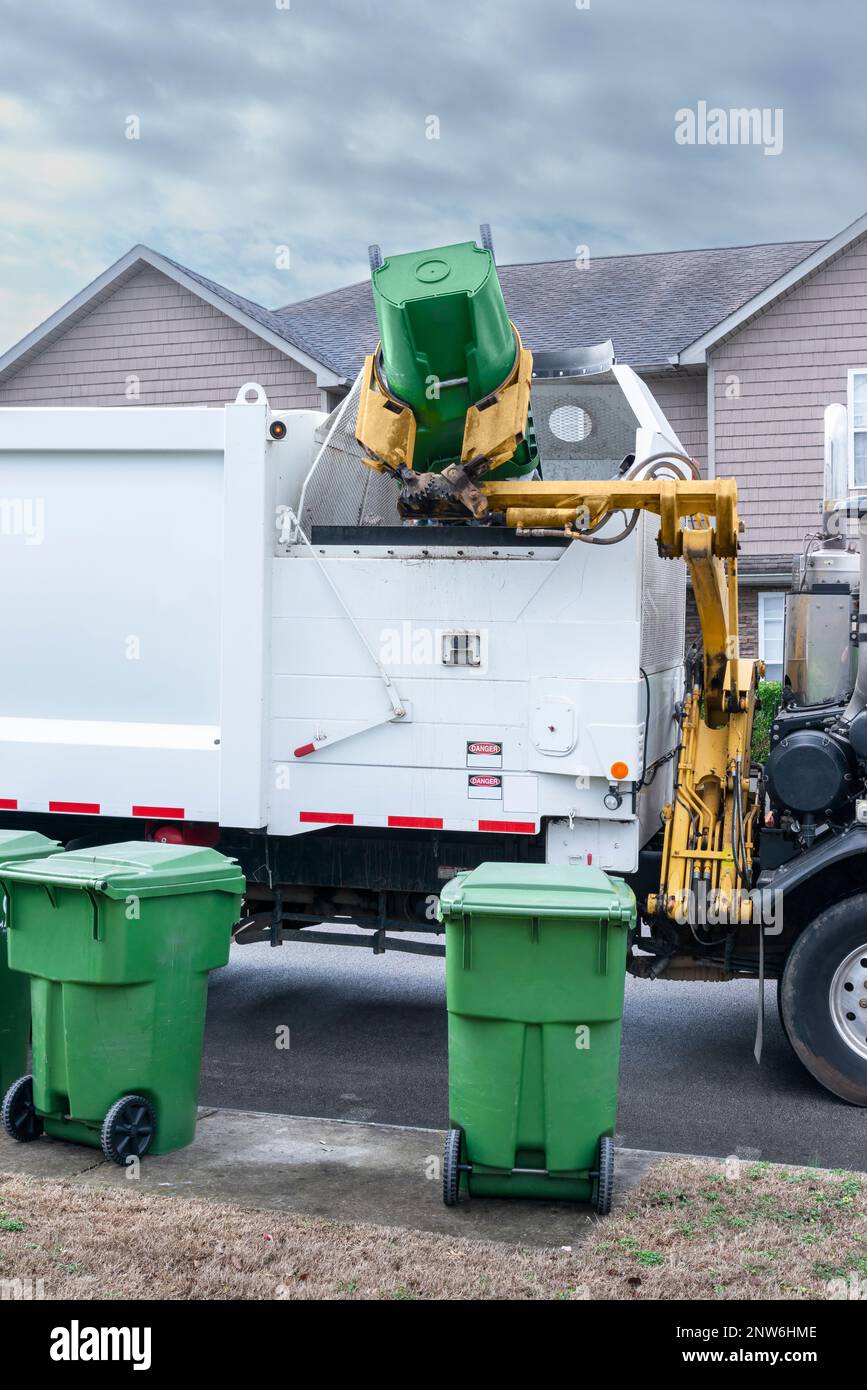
column 528, row 503
column 708, row 829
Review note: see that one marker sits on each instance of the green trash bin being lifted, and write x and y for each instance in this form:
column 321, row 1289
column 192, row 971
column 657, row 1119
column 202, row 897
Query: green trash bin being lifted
column 14, row 987
column 118, row 942
column 535, row 973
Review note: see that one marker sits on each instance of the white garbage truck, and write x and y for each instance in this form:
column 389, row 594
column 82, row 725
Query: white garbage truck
column 208, row 644
column 257, row 629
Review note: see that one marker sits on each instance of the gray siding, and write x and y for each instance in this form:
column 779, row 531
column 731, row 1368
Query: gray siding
column 182, row 350
column 748, row 621
column 790, row 363
column 683, row 400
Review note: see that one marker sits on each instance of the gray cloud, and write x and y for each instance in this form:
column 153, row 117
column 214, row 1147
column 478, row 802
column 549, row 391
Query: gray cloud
column 263, row 126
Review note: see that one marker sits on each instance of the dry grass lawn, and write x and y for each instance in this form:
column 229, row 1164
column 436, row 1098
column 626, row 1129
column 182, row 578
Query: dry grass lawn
column 688, row 1231
column 693, row 1231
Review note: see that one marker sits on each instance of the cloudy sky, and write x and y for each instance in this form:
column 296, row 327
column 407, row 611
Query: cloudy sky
column 306, row 124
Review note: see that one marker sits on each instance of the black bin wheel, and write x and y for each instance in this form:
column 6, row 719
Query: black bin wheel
column 603, row 1186
column 128, row 1129
column 18, row 1116
column 452, row 1167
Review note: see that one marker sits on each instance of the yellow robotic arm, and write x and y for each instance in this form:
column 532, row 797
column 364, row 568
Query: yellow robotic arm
column 710, row 825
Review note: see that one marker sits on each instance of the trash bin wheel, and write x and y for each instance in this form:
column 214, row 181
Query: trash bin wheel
column 128, row 1129
column 603, row 1187
column 19, row 1117
column 452, row 1167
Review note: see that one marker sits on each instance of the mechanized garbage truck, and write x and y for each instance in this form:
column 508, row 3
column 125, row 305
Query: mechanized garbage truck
column 444, row 625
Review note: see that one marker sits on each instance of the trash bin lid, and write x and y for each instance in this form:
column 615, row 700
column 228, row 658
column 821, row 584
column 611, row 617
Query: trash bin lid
column 26, row 844
column 138, row 867
column 538, row 890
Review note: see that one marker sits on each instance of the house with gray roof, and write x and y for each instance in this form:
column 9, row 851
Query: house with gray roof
column 742, row 346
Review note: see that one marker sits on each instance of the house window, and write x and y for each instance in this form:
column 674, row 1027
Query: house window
column 858, row 427
column 772, row 609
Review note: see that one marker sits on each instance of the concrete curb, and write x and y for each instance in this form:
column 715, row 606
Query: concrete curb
column 388, row 1175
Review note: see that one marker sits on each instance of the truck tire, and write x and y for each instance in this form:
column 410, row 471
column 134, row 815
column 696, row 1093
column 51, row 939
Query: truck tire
column 780, row 1008
column 823, row 999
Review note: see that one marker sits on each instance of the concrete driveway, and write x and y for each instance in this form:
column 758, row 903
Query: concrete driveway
column 367, row 1041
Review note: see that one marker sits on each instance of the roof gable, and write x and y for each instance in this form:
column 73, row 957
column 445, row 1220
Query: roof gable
column 813, row 261
column 265, row 323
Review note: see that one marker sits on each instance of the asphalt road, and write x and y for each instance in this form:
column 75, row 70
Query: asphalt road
column 367, row 1041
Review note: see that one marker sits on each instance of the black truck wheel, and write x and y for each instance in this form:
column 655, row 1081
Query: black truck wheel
column 128, row 1129
column 823, row 998
column 603, row 1184
column 780, row 1008
column 19, row 1117
column 452, row 1167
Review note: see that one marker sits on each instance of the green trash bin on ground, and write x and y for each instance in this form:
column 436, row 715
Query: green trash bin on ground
column 14, row 987
column 535, row 974
column 118, row 942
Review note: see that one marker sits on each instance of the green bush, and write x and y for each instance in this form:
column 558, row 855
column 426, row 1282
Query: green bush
column 768, row 702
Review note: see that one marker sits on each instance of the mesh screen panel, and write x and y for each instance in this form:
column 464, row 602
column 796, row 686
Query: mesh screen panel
column 341, row 490
column 663, row 602
column 608, row 428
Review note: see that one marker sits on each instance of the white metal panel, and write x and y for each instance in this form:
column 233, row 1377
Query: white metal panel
column 110, row 781
column 558, row 628
column 430, row 742
column 606, row 717
column 291, row 458
column 612, row 844
column 437, row 590
column 359, row 697
column 97, row 429
column 117, row 601
column 409, row 793
column 648, row 412
column 160, row 526
column 110, row 700
column 248, row 532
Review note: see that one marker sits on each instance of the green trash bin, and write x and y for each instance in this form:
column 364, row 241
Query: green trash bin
column 14, row 987
column 118, row 942
column 535, row 972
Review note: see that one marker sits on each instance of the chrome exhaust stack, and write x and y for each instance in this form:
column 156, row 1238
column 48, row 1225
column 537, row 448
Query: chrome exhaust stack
column 820, row 658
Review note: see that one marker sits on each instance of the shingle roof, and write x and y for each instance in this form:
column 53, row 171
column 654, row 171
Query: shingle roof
column 652, row 306
column 273, row 319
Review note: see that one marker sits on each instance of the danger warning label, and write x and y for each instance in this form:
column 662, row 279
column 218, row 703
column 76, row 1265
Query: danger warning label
column 484, row 753
column 485, row 786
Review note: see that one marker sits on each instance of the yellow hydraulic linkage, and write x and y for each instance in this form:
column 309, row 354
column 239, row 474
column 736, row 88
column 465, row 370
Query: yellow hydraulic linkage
column 710, row 826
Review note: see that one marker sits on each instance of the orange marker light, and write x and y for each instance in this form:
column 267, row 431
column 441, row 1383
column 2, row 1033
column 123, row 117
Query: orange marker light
column 619, row 771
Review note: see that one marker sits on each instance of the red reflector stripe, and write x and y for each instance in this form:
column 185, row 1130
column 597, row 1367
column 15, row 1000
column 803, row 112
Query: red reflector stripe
column 84, row 808
column 160, row 812
column 417, row 822
column 326, row 817
column 305, row 749
column 516, row 827
column 8, row 804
